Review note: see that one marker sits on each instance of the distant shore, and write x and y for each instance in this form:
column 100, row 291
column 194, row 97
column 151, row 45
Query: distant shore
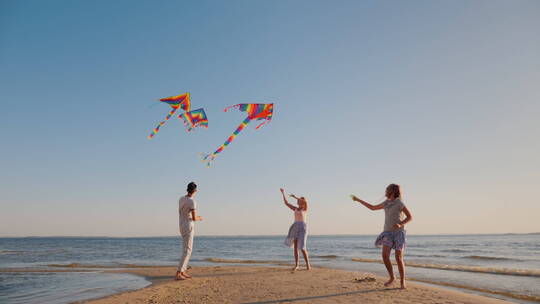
column 252, row 235
column 258, row 285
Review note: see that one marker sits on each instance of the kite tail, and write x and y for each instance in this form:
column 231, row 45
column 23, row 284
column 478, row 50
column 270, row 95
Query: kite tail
column 235, row 106
column 264, row 122
column 208, row 158
column 188, row 126
column 156, row 130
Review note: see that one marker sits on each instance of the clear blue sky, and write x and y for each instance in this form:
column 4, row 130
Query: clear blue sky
column 441, row 97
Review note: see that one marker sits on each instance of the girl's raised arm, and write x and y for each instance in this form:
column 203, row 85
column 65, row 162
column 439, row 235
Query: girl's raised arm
column 293, row 208
column 368, row 205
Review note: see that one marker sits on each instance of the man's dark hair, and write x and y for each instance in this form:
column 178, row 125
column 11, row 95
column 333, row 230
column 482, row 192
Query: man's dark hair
column 191, row 187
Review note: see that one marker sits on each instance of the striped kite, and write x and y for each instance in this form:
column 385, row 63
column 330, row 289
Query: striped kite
column 194, row 119
column 176, row 102
column 256, row 111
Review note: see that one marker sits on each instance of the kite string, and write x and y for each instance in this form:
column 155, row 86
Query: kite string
column 156, row 129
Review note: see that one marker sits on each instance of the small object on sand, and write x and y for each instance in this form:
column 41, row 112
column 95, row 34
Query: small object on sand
column 365, row 279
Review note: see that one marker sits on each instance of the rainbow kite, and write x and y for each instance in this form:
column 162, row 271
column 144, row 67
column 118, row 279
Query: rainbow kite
column 176, row 102
column 194, row 119
column 256, row 111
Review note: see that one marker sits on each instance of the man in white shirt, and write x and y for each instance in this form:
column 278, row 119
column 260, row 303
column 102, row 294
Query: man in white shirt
column 187, row 216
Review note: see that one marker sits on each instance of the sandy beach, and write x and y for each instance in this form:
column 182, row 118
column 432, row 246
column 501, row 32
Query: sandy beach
column 253, row 284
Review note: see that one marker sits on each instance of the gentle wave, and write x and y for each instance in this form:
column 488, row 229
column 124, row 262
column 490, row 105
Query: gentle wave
column 11, row 251
column 232, row 261
column 482, row 257
column 503, row 293
column 426, row 255
column 41, row 270
column 75, row 265
column 502, row 271
column 38, row 252
column 455, row 250
column 330, row 256
column 366, row 247
column 118, row 265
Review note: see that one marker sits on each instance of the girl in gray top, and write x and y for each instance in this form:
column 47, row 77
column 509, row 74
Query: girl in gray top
column 393, row 236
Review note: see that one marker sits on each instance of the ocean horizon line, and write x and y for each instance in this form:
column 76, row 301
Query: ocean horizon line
column 257, row 235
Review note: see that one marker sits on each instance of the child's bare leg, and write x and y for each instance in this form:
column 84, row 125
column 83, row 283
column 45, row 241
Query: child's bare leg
column 295, row 248
column 306, row 258
column 401, row 267
column 386, row 259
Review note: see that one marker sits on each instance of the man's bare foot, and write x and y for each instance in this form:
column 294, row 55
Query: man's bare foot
column 179, row 276
column 389, row 282
column 403, row 285
column 308, row 267
column 185, row 275
column 295, row 268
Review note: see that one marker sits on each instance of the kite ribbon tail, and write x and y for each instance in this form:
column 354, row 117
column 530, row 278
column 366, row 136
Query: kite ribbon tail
column 156, row 130
column 183, row 117
column 264, row 122
column 235, row 106
column 207, row 158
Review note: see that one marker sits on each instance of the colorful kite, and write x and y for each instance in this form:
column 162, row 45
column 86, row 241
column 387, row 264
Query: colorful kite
column 176, row 102
column 256, row 111
column 194, row 119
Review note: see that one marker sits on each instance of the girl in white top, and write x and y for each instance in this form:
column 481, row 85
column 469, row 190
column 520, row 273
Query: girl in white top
column 297, row 236
column 393, row 236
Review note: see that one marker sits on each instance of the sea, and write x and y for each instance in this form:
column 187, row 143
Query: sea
column 71, row 269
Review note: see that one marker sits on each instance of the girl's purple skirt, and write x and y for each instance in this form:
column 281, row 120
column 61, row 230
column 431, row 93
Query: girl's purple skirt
column 297, row 231
column 393, row 239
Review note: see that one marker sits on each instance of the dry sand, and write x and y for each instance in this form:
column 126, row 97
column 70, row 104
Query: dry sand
column 248, row 284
